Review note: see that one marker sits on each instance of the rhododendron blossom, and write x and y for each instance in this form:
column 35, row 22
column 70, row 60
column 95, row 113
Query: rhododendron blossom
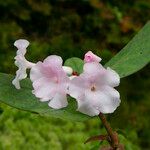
column 94, row 89
column 50, row 82
column 90, row 57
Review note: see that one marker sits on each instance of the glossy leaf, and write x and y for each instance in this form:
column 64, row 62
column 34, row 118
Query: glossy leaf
column 134, row 56
column 24, row 99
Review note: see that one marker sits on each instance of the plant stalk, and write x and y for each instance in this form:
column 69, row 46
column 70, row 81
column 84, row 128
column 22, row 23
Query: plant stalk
column 114, row 142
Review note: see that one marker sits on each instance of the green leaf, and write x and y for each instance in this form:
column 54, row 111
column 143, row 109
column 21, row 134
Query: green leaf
column 24, row 99
column 134, row 56
column 128, row 145
column 75, row 63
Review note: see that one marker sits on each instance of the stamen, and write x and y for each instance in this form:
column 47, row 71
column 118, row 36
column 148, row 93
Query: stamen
column 93, row 88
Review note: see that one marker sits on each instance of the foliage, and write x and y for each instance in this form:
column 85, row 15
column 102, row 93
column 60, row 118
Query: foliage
column 24, row 130
column 28, row 131
column 133, row 56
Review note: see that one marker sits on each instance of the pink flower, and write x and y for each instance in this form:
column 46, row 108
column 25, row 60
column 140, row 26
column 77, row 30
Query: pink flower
column 94, row 89
column 90, row 57
column 21, row 62
column 50, row 82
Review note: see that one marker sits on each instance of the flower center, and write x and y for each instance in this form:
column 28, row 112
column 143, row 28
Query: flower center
column 93, row 88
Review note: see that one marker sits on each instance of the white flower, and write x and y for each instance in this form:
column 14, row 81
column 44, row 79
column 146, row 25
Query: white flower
column 50, row 82
column 21, row 62
column 94, row 89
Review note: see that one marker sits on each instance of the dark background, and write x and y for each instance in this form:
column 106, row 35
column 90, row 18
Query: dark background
column 70, row 28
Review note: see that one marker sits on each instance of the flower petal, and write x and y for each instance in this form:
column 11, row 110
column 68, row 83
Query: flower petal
column 76, row 87
column 112, row 77
column 110, row 99
column 44, row 89
column 105, row 101
column 59, row 101
column 93, row 68
column 16, row 83
column 53, row 60
column 85, row 107
column 72, row 77
column 90, row 57
column 35, row 72
column 21, row 72
column 21, row 62
column 21, row 44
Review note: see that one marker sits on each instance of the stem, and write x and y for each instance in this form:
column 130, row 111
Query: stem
column 113, row 135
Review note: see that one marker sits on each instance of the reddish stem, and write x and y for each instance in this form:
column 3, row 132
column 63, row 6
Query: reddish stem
column 113, row 135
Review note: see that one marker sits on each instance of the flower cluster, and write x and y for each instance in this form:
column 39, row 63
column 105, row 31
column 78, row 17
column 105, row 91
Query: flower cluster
column 52, row 82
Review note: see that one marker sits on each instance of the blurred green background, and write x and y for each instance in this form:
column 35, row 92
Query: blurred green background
column 70, row 28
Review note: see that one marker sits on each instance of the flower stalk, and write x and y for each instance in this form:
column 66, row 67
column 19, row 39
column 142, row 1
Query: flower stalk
column 113, row 136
